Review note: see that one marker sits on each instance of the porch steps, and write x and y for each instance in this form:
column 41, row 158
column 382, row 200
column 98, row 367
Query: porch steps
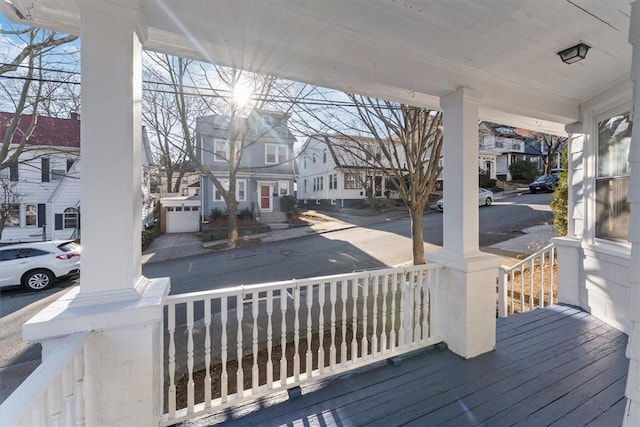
column 275, row 220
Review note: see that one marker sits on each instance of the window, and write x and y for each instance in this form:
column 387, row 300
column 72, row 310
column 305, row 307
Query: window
column 612, row 180
column 333, row 182
column 321, row 183
column 220, row 150
column 241, row 190
column 58, row 169
column 276, row 154
column 70, row 218
column 304, row 162
column 305, row 185
column 12, row 212
column 31, row 215
column 13, row 173
column 351, row 181
column 283, row 188
column 267, row 121
column 324, row 156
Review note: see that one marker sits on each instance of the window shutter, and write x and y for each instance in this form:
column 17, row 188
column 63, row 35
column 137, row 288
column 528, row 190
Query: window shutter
column 13, row 173
column 58, row 222
column 42, row 214
column 45, row 170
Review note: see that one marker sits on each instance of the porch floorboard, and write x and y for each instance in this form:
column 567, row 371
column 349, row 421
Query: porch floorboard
column 553, row 366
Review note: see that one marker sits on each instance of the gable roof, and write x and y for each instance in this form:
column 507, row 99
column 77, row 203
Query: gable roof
column 49, row 131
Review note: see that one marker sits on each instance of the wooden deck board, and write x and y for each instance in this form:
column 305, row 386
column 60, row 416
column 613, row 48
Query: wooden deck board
column 554, row 365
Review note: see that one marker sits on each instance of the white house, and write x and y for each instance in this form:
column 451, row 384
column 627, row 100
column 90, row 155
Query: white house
column 497, row 61
column 44, row 195
column 339, row 174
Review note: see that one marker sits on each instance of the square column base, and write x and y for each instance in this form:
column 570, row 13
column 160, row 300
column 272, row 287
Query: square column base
column 570, row 268
column 465, row 306
column 122, row 356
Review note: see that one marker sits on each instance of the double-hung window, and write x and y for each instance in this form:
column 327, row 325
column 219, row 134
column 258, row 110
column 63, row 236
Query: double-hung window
column 612, row 179
column 220, row 150
column 241, row 190
column 276, row 154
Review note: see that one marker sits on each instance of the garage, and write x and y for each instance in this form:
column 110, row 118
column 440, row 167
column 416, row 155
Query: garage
column 181, row 215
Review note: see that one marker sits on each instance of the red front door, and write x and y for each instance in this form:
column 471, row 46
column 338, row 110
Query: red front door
column 265, row 197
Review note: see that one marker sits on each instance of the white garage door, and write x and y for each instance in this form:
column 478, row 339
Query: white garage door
column 183, row 219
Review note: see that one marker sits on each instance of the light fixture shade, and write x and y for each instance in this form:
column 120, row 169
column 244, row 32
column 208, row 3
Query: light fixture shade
column 574, row 53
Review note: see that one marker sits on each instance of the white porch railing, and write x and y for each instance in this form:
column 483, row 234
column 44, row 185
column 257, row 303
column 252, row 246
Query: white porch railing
column 53, row 393
column 233, row 344
column 525, row 285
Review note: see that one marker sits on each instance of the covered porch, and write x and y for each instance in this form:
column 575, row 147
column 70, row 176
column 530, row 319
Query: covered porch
column 553, row 366
column 473, row 60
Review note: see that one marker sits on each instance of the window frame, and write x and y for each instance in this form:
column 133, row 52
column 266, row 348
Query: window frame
column 15, row 208
column 34, row 215
column 226, row 151
column 615, row 178
column 69, row 214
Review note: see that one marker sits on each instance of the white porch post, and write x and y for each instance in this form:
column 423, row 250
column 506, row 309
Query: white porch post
column 570, row 268
column 121, row 308
column 466, row 305
column 632, row 391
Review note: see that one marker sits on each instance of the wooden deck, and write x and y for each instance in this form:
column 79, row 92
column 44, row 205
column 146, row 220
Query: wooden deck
column 553, row 366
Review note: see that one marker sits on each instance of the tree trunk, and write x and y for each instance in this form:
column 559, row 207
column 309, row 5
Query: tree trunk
column 232, row 212
column 417, row 230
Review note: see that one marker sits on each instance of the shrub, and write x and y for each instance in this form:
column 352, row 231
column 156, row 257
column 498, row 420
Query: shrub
column 485, row 182
column 245, row 214
column 289, row 205
column 216, row 213
column 559, row 202
column 522, row 169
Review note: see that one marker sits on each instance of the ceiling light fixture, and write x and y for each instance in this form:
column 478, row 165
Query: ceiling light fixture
column 574, row 53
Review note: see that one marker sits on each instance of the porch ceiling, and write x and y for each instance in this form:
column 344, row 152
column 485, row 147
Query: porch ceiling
column 410, row 50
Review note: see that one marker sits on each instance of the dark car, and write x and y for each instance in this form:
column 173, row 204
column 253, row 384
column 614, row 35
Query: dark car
column 544, row 183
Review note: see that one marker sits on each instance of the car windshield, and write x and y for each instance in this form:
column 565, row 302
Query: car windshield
column 543, row 178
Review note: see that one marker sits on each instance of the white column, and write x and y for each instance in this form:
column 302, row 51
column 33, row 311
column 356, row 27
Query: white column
column 569, row 247
column 465, row 302
column 632, row 391
column 111, row 132
column 121, row 309
column 460, row 171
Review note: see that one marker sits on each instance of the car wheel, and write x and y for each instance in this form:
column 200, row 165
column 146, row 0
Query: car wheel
column 38, row 280
column 488, row 201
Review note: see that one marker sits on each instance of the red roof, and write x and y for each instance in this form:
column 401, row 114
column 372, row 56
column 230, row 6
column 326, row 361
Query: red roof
column 49, row 131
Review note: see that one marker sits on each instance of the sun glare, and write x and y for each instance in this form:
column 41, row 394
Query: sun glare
column 242, row 93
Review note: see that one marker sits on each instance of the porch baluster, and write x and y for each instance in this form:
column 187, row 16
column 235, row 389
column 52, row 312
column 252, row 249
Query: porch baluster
column 171, row 309
column 321, row 291
column 522, row 306
column 190, row 383
column 332, row 349
column 296, row 333
column 269, row 339
column 309, row 366
column 532, row 264
column 343, row 347
column 417, row 299
column 542, row 264
column 240, row 371
column 383, row 333
column 374, row 336
column 78, row 376
column 67, row 393
column 53, row 403
column 365, row 297
column 255, row 310
column 354, row 321
column 207, row 353
column 224, row 377
column 283, row 338
column 394, row 292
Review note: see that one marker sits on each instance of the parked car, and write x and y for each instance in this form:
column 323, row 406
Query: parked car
column 544, row 183
column 38, row 265
column 485, row 198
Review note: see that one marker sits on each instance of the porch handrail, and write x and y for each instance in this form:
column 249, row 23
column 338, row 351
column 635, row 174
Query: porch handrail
column 289, row 332
column 54, row 392
column 509, row 291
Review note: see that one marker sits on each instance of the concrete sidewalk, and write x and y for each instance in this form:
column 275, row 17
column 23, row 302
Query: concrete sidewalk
column 180, row 245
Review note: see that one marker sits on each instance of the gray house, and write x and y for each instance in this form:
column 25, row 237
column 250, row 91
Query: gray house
column 266, row 168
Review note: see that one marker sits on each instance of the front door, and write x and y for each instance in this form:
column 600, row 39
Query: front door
column 265, row 197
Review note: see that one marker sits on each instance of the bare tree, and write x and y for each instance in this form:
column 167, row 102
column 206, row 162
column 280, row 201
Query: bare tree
column 401, row 141
column 9, row 202
column 28, row 96
column 197, row 89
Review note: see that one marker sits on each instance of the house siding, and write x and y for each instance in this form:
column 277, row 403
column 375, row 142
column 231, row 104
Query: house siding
column 253, row 168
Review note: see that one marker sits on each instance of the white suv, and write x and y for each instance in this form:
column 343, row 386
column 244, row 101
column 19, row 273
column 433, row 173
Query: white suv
column 37, row 265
